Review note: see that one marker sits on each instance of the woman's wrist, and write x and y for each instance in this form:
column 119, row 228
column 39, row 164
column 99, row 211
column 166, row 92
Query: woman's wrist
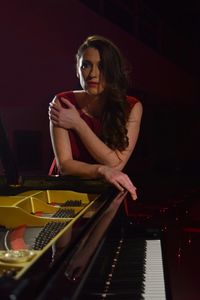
column 101, row 170
column 80, row 126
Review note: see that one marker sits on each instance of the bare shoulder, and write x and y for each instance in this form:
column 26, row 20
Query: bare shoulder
column 136, row 112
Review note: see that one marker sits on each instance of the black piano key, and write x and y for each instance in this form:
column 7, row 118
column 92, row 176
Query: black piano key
column 115, row 296
column 134, row 285
column 122, row 274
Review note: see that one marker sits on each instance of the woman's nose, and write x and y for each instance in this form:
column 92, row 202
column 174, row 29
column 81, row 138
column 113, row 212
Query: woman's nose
column 94, row 71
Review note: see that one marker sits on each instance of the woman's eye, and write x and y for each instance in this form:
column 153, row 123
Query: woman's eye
column 85, row 64
column 100, row 66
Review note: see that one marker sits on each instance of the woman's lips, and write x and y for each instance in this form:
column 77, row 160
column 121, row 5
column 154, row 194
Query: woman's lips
column 92, row 84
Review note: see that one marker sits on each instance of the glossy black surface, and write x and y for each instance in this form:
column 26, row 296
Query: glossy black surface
column 64, row 273
column 38, row 276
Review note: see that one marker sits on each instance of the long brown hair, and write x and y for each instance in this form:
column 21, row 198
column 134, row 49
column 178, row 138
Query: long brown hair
column 117, row 108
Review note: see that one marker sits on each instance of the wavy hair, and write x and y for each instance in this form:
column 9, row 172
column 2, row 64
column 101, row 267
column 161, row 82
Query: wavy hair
column 117, row 108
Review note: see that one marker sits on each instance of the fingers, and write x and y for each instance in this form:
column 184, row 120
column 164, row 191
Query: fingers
column 55, row 103
column 67, row 102
column 118, row 186
column 119, row 179
column 53, row 114
column 131, row 189
column 122, row 182
column 56, row 106
column 54, row 111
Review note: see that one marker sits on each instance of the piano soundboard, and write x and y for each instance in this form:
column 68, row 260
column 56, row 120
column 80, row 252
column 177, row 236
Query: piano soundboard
column 32, row 221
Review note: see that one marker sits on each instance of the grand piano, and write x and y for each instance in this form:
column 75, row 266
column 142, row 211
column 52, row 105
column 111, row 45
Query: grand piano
column 68, row 244
column 71, row 238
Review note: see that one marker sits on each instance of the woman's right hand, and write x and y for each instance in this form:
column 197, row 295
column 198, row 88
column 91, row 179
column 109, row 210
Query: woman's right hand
column 119, row 179
column 66, row 116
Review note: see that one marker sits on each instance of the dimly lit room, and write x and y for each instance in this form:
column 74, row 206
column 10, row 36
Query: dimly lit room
column 90, row 232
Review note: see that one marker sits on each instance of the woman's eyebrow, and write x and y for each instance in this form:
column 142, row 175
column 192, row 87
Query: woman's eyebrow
column 86, row 61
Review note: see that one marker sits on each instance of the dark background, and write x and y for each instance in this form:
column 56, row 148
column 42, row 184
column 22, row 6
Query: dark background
column 161, row 43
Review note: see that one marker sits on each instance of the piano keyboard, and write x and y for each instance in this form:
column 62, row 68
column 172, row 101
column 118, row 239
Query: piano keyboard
column 127, row 269
column 154, row 274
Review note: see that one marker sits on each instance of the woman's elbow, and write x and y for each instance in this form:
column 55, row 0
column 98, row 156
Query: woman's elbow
column 63, row 172
column 118, row 165
column 63, row 169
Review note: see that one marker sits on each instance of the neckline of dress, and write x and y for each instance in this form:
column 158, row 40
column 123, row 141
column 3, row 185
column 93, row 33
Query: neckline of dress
column 82, row 109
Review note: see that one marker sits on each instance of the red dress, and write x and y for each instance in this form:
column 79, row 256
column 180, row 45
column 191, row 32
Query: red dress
column 79, row 152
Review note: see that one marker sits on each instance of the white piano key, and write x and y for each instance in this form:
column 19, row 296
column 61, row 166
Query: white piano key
column 154, row 275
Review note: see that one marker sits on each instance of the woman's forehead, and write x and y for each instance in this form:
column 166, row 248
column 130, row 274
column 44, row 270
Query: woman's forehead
column 91, row 54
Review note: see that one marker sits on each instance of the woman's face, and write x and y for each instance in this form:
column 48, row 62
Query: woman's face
column 90, row 73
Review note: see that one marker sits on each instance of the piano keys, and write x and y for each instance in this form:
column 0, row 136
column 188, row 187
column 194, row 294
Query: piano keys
column 133, row 269
column 154, row 280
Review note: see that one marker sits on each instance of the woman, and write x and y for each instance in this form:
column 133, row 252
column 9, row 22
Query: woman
column 94, row 131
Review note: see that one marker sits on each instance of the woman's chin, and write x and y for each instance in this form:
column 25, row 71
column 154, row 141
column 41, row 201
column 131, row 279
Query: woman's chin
column 93, row 91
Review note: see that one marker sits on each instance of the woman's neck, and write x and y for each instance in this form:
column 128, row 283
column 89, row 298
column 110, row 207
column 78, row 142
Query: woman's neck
column 91, row 104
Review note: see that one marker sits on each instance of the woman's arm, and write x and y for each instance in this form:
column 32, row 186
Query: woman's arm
column 101, row 152
column 69, row 166
column 70, row 118
column 63, row 154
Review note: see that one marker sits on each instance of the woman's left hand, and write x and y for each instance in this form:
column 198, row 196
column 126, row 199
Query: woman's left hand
column 67, row 118
column 119, row 179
